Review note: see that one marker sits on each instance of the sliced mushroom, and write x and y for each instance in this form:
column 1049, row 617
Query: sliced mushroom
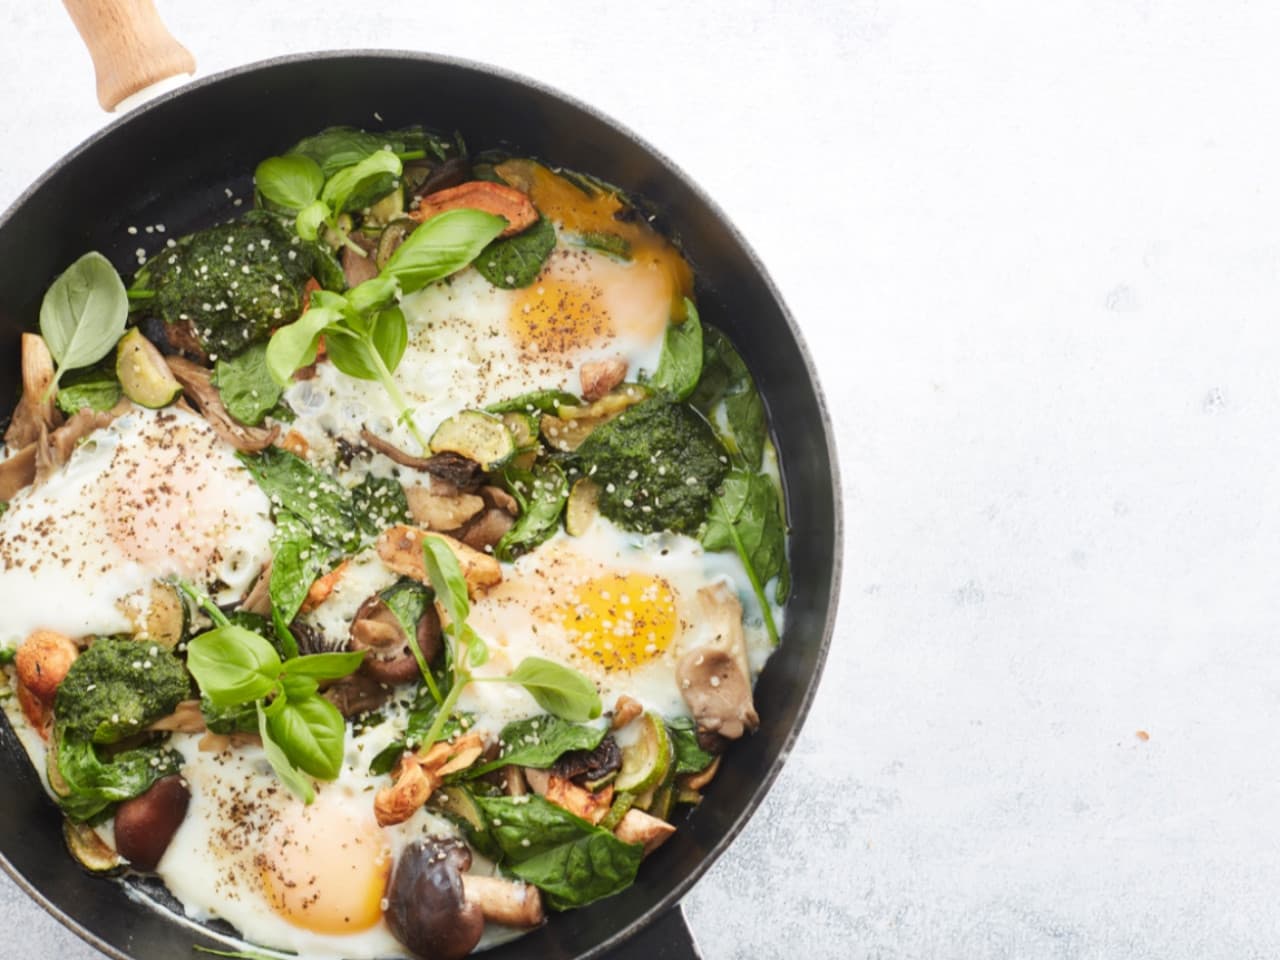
column 639, row 827
column 696, row 781
column 258, row 599
column 713, row 675
column 499, row 499
column 581, row 802
column 357, row 694
column 323, row 587
column 484, row 532
column 427, row 907
column 401, row 550
column 624, row 711
column 513, row 782
column 37, row 407
column 404, row 798
column 187, row 717
column 436, row 511
column 197, row 382
column 450, row 173
column 388, row 658
column 17, row 472
column 598, row 377
column 358, row 268
column 588, row 767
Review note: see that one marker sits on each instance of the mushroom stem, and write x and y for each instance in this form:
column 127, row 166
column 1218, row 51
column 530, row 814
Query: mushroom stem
column 639, row 827
column 509, row 902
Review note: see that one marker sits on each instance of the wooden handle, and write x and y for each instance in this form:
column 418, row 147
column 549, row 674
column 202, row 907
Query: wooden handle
column 131, row 48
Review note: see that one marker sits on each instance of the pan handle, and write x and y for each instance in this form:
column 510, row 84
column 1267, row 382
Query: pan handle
column 130, row 46
column 667, row 938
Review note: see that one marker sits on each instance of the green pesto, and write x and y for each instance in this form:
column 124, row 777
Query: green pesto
column 117, row 687
column 235, row 282
column 657, row 466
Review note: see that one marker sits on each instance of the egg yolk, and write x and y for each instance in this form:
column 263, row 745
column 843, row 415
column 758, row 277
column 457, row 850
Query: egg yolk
column 325, row 869
column 556, row 316
column 621, row 620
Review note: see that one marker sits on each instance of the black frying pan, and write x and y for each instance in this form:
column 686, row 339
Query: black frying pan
column 172, row 161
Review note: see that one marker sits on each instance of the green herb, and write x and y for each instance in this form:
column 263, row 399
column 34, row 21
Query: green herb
column 297, row 560
column 546, row 401
column 690, row 757
column 117, row 687
column 516, row 261
column 408, row 601
column 657, row 465
column 95, row 387
column 94, row 783
column 727, row 396
column 83, row 313
column 379, row 503
column 339, row 147
column 358, row 186
column 605, row 242
column 365, row 335
column 241, row 718
column 291, row 182
column 301, row 731
column 245, row 384
column 573, row 862
column 746, row 517
column 541, row 494
column 557, row 689
column 242, row 954
column 681, row 361
column 539, row 742
column 8, row 654
column 319, row 501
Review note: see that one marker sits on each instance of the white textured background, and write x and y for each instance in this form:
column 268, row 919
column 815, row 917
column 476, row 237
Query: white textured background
column 1035, row 248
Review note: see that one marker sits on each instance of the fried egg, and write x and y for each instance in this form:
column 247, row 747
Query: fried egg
column 156, row 494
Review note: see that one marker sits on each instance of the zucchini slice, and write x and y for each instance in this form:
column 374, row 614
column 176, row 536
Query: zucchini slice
column 583, row 507
column 478, row 436
column 89, row 849
column 645, row 762
column 142, row 372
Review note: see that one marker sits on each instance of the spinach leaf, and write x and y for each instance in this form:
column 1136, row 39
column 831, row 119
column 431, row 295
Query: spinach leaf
column 297, row 560
column 96, row 388
column 443, row 245
column 379, row 503
column 546, row 401
column 248, row 390
column 573, row 862
column 746, row 516
column 241, row 718
column 727, row 396
column 681, row 361
column 690, row 758
column 539, row 742
column 605, row 242
column 558, row 689
column 291, row 182
column 315, row 498
column 542, row 494
column 339, row 147
column 83, row 313
column 516, row 261
column 93, row 784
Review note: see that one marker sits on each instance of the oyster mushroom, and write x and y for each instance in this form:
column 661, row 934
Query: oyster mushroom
column 713, row 675
column 36, row 409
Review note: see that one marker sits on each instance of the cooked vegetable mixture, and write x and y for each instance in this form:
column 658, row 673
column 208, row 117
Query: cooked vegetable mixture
column 392, row 564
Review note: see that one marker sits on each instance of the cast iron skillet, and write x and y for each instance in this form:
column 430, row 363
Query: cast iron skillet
column 172, row 162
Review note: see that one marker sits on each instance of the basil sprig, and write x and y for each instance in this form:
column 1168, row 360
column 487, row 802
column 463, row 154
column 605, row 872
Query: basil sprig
column 365, row 332
column 302, row 732
column 83, row 313
column 560, row 690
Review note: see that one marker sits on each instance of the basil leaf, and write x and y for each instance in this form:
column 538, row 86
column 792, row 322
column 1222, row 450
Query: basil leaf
column 571, row 861
column 294, row 345
column 94, row 784
column 232, row 665
column 292, row 182
column 516, row 261
column 96, row 388
column 680, row 365
column 310, row 219
column 542, row 494
column 390, row 336
column 315, row 498
column 281, row 764
column 324, row 666
column 546, row 401
column 350, row 353
column 295, row 688
column 297, row 560
column 539, row 742
column 339, row 147
column 558, row 689
column 312, row 734
column 248, row 390
column 355, row 187
column 372, row 295
column 447, row 581
column 83, row 313
column 690, row 758
column 727, row 396
column 443, row 245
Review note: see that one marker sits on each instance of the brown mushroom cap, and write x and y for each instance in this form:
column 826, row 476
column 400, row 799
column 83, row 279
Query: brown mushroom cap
column 427, row 906
column 146, row 824
column 388, row 658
